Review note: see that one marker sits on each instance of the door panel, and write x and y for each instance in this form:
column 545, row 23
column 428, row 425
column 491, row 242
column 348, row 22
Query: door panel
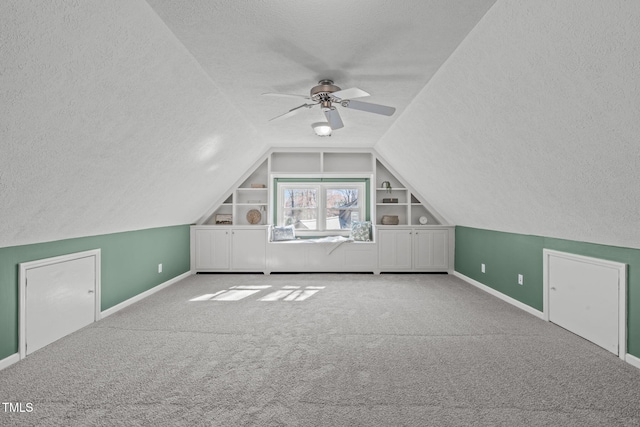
column 212, row 249
column 249, row 249
column 394, row 249
column 59, row 299
column 583, row 298
column 423, row 250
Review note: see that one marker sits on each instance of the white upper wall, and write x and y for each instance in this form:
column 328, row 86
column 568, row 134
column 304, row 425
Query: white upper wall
column 107, row 123
column 532, row 125
column 127, row 114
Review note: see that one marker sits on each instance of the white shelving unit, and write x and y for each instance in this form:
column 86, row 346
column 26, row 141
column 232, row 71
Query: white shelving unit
column 408, row 207
column 408, row 246
column 245, row 198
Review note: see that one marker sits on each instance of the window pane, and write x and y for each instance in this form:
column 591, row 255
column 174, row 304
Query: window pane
column 302, row 219
column 300, row 198
column 340, row 219
column 342, row 208
column 342, row 197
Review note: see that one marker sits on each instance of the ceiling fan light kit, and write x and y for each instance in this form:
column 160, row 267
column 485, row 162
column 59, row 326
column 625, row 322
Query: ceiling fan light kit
column 322, row 128
column 326, row 94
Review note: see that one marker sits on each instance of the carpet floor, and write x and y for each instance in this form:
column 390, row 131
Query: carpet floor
column 321, row 350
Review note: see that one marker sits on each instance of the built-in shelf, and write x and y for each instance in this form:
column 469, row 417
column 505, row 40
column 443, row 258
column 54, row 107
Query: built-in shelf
column 332, row 163
column 408, row 208
column 242, row 245
column 244, row 199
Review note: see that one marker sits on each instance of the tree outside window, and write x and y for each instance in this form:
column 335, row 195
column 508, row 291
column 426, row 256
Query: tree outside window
column 342, row 208
column 320, row 207
column 301, row 208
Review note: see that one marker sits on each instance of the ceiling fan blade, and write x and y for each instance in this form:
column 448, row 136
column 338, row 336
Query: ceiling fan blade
column 291, row 112
column 286, row 95
column 369, row 107
column 333, row 117
column 351, row 93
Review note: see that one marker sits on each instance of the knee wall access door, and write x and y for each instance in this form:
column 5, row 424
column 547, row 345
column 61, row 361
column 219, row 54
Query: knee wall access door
column 587, row 296
column 57, row 297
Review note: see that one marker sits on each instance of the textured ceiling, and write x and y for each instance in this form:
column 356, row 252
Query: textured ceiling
column 389, row 49
column 122, row 115
column 542, row 137
column 107, row 123
column 516, row 116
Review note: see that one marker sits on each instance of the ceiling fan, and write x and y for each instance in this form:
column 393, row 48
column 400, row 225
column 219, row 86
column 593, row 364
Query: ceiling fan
column 326, row 94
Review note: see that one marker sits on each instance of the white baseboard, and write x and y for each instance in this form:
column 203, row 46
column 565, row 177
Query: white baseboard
column 632, row 360
column 500, row 295
column 8, row 361
column 143, row 295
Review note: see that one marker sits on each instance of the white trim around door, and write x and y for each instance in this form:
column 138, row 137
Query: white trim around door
column 26, row 266
column 589, row 262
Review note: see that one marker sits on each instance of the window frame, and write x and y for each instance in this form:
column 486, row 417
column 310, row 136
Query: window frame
column 322, row 185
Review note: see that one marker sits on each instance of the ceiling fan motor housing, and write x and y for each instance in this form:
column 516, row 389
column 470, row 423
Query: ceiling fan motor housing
column 322, row 92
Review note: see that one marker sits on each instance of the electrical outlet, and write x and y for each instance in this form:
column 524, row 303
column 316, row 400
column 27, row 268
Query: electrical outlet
column 482, row 268
column 159, row 268
column 520, row 279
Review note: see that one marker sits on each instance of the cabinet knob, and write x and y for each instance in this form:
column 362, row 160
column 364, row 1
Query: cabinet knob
column 226, row 232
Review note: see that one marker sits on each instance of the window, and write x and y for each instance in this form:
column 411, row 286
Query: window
column 321, row 206
column 300, row 206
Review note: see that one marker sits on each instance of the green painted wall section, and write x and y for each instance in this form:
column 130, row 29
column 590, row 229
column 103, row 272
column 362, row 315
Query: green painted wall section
column 506, row 255
column 129, row 267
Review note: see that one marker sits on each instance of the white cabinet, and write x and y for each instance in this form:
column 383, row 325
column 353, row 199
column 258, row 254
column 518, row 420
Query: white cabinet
column 430, row 249
column 248, row 249
column 211, row 249
column 413, row 249
column 228, row 249
column 232, row 235
column 395, row 251
column 305, row 256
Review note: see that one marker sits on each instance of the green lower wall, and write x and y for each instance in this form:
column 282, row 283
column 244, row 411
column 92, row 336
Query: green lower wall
column 506, row 255
column 129, row 267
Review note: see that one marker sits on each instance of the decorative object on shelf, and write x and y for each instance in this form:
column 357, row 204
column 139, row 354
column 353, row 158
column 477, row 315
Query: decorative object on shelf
column 224, row 219
column 360, row 231
column 258, row 186
column 386, row 185
column 390, row 220
column 423, row 220
column 390, row 200
column 254, row 216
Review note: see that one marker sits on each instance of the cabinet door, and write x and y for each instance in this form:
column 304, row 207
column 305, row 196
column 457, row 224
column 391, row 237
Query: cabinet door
column 431, row 250
column 212, row 249
column 394, row 250
column 249, row 249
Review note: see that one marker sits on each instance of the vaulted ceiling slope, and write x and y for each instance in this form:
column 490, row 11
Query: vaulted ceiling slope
column 122, row 115
column 389, row 49
column 107, row 123
column 532, row 125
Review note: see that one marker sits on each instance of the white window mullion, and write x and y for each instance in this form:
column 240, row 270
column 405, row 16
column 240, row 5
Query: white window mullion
column 322, row 206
